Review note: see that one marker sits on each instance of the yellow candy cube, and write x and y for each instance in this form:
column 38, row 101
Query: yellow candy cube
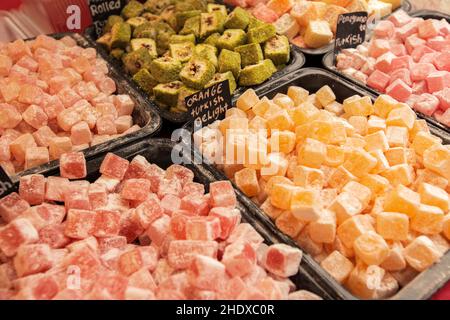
column 396, row 156
column 365, row 281
column 335, row 156
column 359, row 123
column 360, row 191
column 399, row 174
column 394, row 3
column 305, row 204
column 434, row 196
column 392, row 225
column 261, row 107
column 437, row 159
column 421, row 253
column 395, row 260
column 283, row 101
column 377, row 141
column 422, row 141
column 332, row 13
column 352, row 228
column 401, row 117
column 428, row 220
column 371, row 248
column 235, row 112
column 335, row 107
column 289, row 224
column 277, row 165
column 297, row 94
column 307, row 244
column 247, row 100
column 233, row 125
column 375, row 124
column 340, row 177
column 247, row 180
column 255, row 152
column 281, row 195
column 312, row 153
column 358, row 106
column 318, row 34
column 325, row 96
column 282, row 141
column 419, row 126
column 355, row 142
column 382, row 163
column 231, row 169
column 308, row 177
column 235, row 147
column 384, row 104
column 403, row 200
column 304, row 113
column 430, row 177
column 338, row 266
column 397, row 136
column 272, row 212
column 272, row 110
column 345, row 206
column 446, row 226
column 280, row 121
column 359, row 162
column 323, row 230
column 327, row 196
column 258, row 123
column 276, row 180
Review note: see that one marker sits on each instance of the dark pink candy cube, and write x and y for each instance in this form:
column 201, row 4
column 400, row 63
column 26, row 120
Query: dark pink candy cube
column 170, row 204
column 114, row 166
column 107, row 223
column 73, row 165
column 197, row 205
column 45, row 214
column 166, row 187
column 12, row 206
column 33, row 258
column 402, row 74
column 182, row 252
column 137, row 168
column 13, row 235
column 378, row 80
column 147, row 212
column 222, row 194
column 132, row 261
column 206, row 273
column 98, row 196
column 142, row 279
column 80, row 224
column 202, row 228
column 76, row 195
column 158, row 230
column 282, row 260
column 399, row 90
column 32, row 188
column 193, row 188
column 183, row 174
column 438, row 81
column 114, row 242
column 135, row 189
column 245, row 232
column 54, row 236
column 229, row 219
column 420, row 71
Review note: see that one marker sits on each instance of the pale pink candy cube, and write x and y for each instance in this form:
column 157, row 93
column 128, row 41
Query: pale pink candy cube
column 407, row 30
column 19, row 146
column 166, row 187
column 5, row 153
column 32, row 259
column 109, row 182
column 444, row 98
column 202, row 228
column 418, row 88
column 384, row 29
column 32, row 188
column 383, row 62
column 68, row 97
column 36, row 156
column 413, row 42
column 158, row 230
column 97, row 139
column 106, row 125
column 229, row 220
column 69, row 41
column 10, row 91
column 239, row 258
column 193, row 188
column 107, row 223
column 398, row 49
column 76, row 195
column 420, row 51
column 429, row 57
column 43, row 136
column 442, row 61
column 402, row 74
column 114, row 166
column 245, row 232
column 81, row 64
column 206, row 273
column 5, row 65
column 282, row 260
column 399, row 90
column 399, row 18
column 46, row 214
column 30, row 94
column 86, row 90
column 420, row 71
column 135, row 189
column 55, row 188
column 58, row 83
column 10, row 117
column 12, row 206
column 138, row 258
column 45, row 42
column 14, row 234
column 426, row 104
column 80, row 133
column 59, row 146
column 438, row 81
column 147, row 212
column 93, row 75
column 182, row 252
column 443, row 117
column 438, row 43
column 428, row 28
column 80, row 224
column 222, row 194
column 378, row 47
column 53, row 235
column 67, row 118
column 107, row 86
column 378, row 80
column 123, row 123
column 53, row 107
column 72, row 165
column 124, row 104
column 35, row 116
column 183, row 174
column 170, row 204
column 73, row 76
column 402, row 62
column 196, row 205
column 8, row 167
column 137, row 168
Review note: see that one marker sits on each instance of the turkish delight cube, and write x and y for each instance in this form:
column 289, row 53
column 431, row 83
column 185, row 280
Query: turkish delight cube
column 13, row 235
column 73, row 165
column 135, row 189
column 32, row 259
column 80, row 224
column 282, row 260
column 222, row 194
column 12, row 206
column 32, row 188
column 114, row 166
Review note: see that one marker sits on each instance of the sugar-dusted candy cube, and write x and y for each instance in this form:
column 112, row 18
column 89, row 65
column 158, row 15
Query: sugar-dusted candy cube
column 352, row 228
column 80, row 224
column 106, row 126
column 114, row 166
column 378, row 80
column 428, row 28
column 98, row 196
column 359, row 162
column 312, row 153
column 35, row 116
column 135, row 189
column 399, row 174
column 358, row 106
column 123, row 123
column 76, row 195
column 55, row 188
column 392, row 225
column 171, row 203
column 247, row 100
column 45, row 214
column 80, row 133
column 371, row 248
column 73, row 165
column 305, row 204
column 43, row 135
column 222, row 194
column 247, row 181
column 308, row 177
column 124, row 105
column 36, row 156
column 59, row 146
column 138, row 258
column 106, row 224
column 325, row 96
column 32, row 188
column 423, row 141
column 428, row 220
column 147, row 212
column 289, row 224
column 364, row 281
column 421, row 253
column 192, row 188
column 340, row 177
column 346, row 205
column 20, row 145
column 437, row 81
column 12, row 206
column 181, row 173
column 202, row 228
column 397, row 136
column 436, row 158
column 54, row 236
column 239, row 258
column 282, row 260
column 245, row 232
column 229, row 219
column 182, row 252
column 338, row 266
column 9, row 115
column 434, row 196
column 33, row 258
column 158, row 230
column 14, row 234
column 137, row 168
column 403, row 200
column 297, row 94
column 399, row 90
column 323, row 230
column 206, row 273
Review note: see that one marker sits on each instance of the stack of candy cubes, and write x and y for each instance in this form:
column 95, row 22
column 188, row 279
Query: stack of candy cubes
column 137, row 232
column 362, row 186
column 311, row 24
column 407, row 58
column 55, row 97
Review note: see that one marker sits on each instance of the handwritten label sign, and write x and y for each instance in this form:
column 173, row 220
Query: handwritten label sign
column 6, row 185
column 209, row 104
column 350, row 31
column 102, row 9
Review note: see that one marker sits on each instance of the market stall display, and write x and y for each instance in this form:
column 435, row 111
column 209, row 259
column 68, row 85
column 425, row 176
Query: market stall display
column 349, row 179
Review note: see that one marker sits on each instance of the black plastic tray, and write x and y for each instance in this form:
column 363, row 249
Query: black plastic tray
column 406, row 6
column 312, row 79
column 426, row 14
column 297, row 61
column 147, row 118
column 159, row 152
